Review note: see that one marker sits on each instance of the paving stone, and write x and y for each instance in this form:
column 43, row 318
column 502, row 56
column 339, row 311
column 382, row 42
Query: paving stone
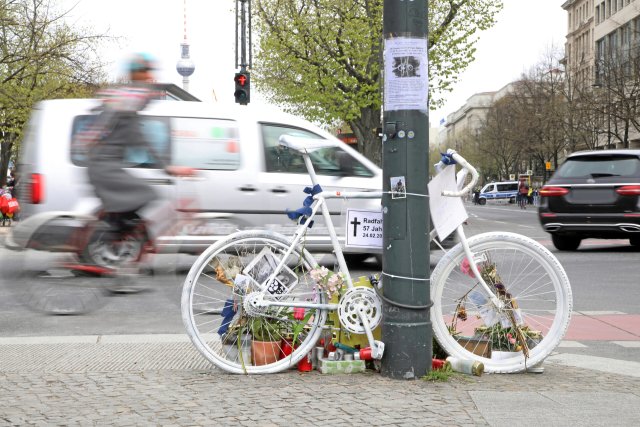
column 130, row 391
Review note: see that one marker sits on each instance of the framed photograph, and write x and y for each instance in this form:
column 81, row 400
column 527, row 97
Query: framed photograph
column 398, row 187
column 263, row 266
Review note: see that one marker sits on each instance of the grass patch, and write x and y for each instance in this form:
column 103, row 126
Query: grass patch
column 440, row 375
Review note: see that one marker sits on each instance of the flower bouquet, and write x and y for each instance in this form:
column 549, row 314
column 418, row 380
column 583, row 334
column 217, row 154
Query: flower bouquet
column 330, row 282
column 505, row 328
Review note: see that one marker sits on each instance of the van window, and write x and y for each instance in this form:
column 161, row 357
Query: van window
column 155, row 130
column 487, row 188
column 326, row 161
column 508, row 187
column 211, row 144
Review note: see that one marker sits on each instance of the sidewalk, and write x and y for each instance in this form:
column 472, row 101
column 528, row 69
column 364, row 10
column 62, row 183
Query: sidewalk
column 161, row 379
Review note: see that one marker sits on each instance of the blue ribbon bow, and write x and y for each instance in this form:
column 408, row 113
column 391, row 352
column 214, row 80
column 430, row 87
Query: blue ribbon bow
column 447, row 159
column 305, row 210
column 227, row 314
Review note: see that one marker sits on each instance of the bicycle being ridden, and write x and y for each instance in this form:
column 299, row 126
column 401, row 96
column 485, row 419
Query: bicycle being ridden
column 492, row 292
column 109, row 240
column 116, row 129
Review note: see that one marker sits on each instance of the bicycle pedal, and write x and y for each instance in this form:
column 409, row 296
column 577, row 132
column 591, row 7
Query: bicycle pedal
column 90, row 269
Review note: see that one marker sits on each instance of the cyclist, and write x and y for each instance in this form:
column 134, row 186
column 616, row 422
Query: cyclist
column 116, row 128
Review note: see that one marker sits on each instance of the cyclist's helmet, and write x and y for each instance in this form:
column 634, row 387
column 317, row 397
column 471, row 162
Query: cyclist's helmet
column 141, row 62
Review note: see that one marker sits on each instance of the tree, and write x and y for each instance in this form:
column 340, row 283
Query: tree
column 617, row 94
column 41, row 57
column 322, row 59
column 499, row 143
column 582, row 120
column 542, row 105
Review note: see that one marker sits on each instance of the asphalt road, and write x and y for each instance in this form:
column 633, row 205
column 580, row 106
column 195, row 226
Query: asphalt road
column 603, row 276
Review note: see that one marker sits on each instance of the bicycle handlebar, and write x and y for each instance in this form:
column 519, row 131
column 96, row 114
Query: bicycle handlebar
column 457, row 158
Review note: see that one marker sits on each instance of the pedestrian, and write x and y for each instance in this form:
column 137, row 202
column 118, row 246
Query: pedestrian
column 476, row 196
column 523, row 191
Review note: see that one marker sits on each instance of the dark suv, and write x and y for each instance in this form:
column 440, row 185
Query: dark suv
column 594, row 194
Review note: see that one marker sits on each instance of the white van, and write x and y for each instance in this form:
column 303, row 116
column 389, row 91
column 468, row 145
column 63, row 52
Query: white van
column 499, row 190
column 247, row 179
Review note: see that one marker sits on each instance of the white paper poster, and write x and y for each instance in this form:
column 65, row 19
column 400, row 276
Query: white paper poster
column 447, row 213
column 363, row 229
column 406, row 74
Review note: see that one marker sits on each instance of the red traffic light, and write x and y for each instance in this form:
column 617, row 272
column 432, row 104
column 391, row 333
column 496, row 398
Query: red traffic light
column 241, row 79
column 243, row 87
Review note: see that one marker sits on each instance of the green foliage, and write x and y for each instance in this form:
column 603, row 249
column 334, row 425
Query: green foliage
column 41, row 57
column 322, row 59
column 440, row 375
column 298, row 326
column 265, row 329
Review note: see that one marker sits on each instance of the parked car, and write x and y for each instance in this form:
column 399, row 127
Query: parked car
column 246, row 180
column 593, row 194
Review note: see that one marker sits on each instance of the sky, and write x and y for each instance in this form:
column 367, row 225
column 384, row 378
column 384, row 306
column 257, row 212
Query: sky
column 524, row 32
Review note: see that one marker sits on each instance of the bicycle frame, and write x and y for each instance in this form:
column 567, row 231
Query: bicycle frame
column 319, row 204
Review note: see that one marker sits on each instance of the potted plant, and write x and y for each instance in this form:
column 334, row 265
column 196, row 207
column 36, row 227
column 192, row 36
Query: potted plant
column 267, row 336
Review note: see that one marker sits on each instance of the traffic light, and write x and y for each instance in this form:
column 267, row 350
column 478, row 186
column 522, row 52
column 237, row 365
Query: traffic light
column 243, row 86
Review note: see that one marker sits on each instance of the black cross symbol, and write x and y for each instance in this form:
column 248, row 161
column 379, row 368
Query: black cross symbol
column 355, row 223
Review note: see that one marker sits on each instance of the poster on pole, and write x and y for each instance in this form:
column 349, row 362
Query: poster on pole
column 363, row 229
column 406, row 74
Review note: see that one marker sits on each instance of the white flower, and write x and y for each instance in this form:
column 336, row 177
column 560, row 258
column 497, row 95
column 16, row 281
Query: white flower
column 327, row 280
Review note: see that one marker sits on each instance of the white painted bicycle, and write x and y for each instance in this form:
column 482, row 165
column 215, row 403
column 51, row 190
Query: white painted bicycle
column 499, row 298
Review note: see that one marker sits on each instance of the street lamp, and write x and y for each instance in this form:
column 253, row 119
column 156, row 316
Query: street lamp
column 598, row 85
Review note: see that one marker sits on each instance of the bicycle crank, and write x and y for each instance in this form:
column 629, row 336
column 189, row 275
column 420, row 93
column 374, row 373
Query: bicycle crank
column 360, row 301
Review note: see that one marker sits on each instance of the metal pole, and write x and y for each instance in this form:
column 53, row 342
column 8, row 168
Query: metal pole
column 406, row 328
column 243, row 35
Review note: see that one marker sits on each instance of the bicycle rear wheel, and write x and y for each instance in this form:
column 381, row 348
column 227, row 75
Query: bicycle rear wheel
column 222, row 322
column 527, row 278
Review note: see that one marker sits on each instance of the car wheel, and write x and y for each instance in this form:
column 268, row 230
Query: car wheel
column 635, row 241
column 512, row 200
column 482, row 201
column 565, row 243
column 356, row 258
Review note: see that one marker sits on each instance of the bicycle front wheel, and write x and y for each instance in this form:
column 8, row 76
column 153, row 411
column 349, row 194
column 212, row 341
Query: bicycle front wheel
column 219, row 307
column 532, row 287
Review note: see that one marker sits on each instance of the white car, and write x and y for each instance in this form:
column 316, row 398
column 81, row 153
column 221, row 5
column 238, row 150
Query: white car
column 246, row 180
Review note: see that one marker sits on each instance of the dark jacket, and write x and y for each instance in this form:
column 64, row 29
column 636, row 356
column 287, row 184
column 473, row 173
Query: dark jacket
column 118, row 190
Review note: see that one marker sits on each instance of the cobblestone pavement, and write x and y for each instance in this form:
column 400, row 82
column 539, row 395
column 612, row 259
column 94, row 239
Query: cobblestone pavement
column 168, row 383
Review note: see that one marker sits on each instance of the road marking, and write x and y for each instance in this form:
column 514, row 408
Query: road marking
column 602, row 364
column 97, row 339
column 76, row 339
column 596, row 313
column 571, row 344
column 627, row 344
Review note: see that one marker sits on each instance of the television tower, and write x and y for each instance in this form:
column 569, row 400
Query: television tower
column 185, row 65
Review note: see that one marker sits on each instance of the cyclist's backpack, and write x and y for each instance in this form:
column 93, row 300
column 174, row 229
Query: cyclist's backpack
column 114, row 101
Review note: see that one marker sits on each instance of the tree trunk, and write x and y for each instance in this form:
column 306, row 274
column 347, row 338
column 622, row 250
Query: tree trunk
column 366, row 130
column 5, row 155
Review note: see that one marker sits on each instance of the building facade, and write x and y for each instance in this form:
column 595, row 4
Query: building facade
column 466, row 122
column 596, row 30
column 602, row 47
